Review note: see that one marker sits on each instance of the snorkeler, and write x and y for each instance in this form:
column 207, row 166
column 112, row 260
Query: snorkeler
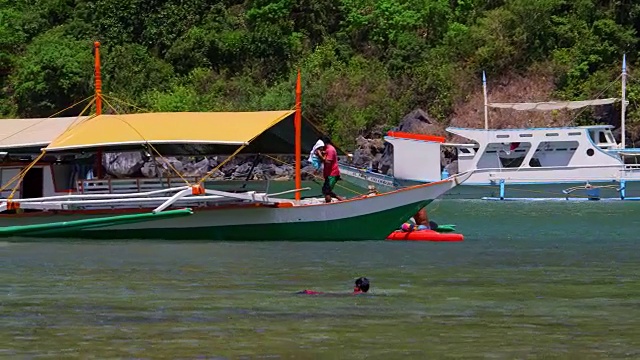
column 361, row 286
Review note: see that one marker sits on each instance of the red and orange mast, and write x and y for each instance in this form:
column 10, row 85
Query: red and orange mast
column 298, row 134
column 96, row 47
column 98, row 85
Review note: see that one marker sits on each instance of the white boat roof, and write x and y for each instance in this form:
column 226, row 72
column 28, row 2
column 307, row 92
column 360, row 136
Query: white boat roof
column 486, row 134
column 564, row 128
column 33, row 133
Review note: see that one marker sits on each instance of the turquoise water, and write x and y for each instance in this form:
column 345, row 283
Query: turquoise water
column 530, row 281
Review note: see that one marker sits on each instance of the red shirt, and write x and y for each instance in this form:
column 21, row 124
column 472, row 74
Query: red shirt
column 331, row 162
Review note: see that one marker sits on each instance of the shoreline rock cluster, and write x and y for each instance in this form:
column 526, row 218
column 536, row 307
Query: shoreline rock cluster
column 240, row 167
column 371, row 153
column 376, row 155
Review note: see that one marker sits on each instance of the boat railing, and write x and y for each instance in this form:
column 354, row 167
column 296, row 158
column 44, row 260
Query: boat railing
column 135, row 185
column 123, row 186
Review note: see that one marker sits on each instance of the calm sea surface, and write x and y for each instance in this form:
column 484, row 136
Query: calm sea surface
column 531, row 280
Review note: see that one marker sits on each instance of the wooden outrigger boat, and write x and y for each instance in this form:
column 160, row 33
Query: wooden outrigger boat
column 191, row 211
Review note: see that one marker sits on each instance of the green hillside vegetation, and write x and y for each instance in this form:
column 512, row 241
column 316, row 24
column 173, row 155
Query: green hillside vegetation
column 365, row 63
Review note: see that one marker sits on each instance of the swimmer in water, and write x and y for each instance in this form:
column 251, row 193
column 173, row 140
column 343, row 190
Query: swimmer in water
column 361, row 286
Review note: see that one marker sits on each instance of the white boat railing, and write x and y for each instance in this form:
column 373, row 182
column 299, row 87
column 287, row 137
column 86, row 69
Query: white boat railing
column 136, row 185
column 250, row 196
column 70, row 197
column 161, row 199
column 123, row 186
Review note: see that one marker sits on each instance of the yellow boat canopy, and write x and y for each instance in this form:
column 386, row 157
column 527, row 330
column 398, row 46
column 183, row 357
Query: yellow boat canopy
column 187, row 133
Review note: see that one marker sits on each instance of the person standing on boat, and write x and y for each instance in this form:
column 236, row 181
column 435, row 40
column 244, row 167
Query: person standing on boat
column 316, row 157
column 331, row 171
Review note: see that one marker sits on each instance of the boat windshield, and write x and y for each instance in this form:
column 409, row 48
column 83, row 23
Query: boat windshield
column 603, row 138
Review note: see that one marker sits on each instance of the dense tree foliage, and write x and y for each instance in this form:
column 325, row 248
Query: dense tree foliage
column 365, row 63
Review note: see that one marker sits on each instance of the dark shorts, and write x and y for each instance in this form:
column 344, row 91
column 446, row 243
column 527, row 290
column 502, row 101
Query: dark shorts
column 329, row 184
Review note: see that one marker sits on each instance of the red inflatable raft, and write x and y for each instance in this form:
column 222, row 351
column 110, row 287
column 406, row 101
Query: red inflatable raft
column 424, row 235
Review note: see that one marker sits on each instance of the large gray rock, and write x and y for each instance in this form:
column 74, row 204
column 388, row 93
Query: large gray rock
column 122, row 165
column 368, row 152
column 308, row 173
column 378, row 155
column 168, row 167
column 150, row 170
column 452, row 167
column 197, row 169
column 240, row 167
column 242, row 171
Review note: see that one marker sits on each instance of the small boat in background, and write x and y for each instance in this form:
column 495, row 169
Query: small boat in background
column 526, row 164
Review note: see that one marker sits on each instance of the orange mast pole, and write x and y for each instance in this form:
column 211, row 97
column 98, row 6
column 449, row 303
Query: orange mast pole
column 298, row 130
column 96, row 46
column 98, row 85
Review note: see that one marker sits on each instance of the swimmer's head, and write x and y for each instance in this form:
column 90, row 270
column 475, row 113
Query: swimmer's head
column 362, row 285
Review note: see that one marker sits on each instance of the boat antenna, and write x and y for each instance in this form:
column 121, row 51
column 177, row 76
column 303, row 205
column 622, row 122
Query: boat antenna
column 624, row 101
column 298, row 132
column 484, row 89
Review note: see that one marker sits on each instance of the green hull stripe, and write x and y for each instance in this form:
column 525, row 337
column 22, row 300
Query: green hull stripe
column 373, row 226
column 66, row 227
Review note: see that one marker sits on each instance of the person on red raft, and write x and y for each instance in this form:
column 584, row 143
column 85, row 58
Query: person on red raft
column 360, row 287
column 419, row 221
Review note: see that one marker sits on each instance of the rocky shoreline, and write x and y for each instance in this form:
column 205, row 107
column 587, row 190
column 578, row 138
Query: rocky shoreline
column 371, row 153
column 241, row 167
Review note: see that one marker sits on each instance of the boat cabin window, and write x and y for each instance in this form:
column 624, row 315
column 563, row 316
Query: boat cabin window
column 467, row 152
column 502, row 136
column 511, row 162
column 534, row 162
column 526, row 135
column 554, row 153
column 504, row 155
column 603, row 138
